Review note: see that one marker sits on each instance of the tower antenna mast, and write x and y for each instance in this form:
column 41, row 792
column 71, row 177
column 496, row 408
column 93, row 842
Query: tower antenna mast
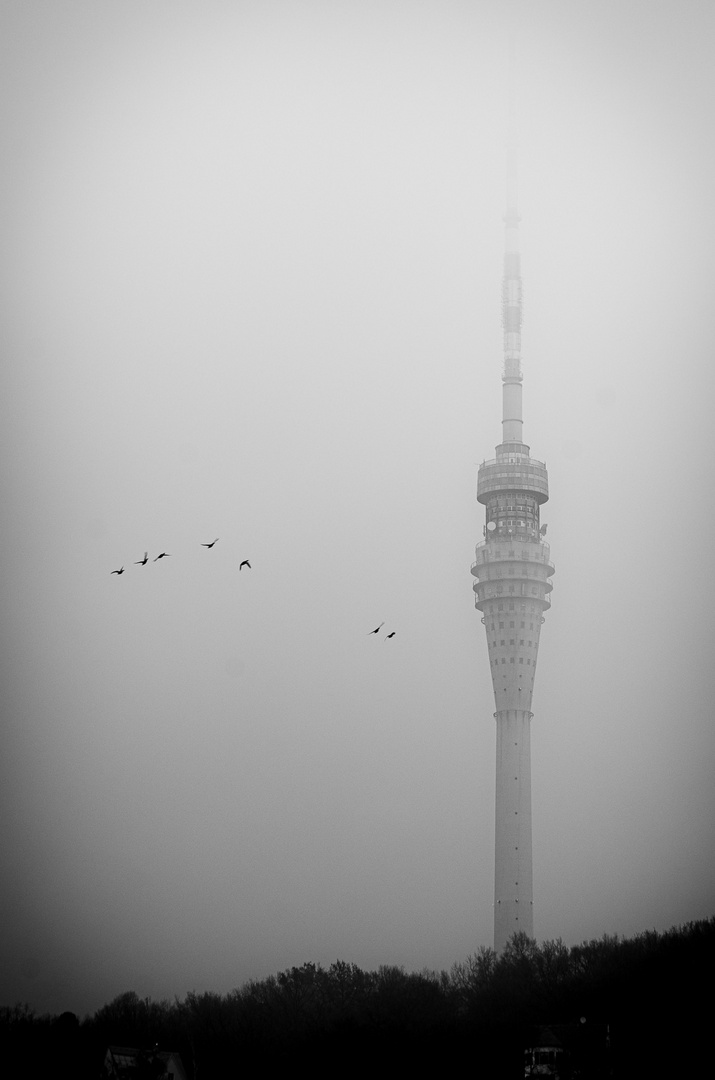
column 512, row 295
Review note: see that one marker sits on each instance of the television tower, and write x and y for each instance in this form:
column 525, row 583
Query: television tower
column 512, row 590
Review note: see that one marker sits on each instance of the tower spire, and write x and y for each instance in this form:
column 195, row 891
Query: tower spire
column 511, row 281
column 512, row 591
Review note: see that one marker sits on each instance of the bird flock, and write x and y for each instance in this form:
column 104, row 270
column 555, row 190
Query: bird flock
column 167, row 555
column 244, row 562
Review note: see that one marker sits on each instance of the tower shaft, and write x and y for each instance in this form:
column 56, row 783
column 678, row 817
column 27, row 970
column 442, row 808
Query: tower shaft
column 512, row 591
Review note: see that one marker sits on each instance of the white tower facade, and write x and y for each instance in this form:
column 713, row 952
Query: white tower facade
column 512, row 591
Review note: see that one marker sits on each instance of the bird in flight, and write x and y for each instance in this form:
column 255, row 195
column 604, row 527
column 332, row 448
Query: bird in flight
column 245, row 563
column 390, row 635
column 118, row 571
column 144, row 561
column 377, row 629
column 211, row 544
column 164, row 555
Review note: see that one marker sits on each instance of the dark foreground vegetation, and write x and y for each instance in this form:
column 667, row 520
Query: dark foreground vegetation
column 647, row 998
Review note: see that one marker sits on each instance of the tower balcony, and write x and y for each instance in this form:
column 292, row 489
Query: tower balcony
column 512, row 571
column 513, row 473
column 511, row 590
column 505, row 551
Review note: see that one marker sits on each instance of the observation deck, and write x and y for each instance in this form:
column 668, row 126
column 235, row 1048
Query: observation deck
column 513, row 472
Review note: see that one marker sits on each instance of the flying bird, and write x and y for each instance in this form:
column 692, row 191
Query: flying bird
column 118, row 571
column 245, row 563
column 377, row 629
column 164, row 555
column 211, row 544
column 390, row 635
column 144, row 561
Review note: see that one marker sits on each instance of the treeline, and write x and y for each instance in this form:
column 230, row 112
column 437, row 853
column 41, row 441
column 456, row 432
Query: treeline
column 646, row 998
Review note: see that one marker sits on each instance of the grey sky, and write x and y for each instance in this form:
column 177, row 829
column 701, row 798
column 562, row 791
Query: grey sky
column 250, row 283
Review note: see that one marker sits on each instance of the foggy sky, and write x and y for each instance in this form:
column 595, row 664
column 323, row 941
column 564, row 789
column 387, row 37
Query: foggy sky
column 250, row 283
